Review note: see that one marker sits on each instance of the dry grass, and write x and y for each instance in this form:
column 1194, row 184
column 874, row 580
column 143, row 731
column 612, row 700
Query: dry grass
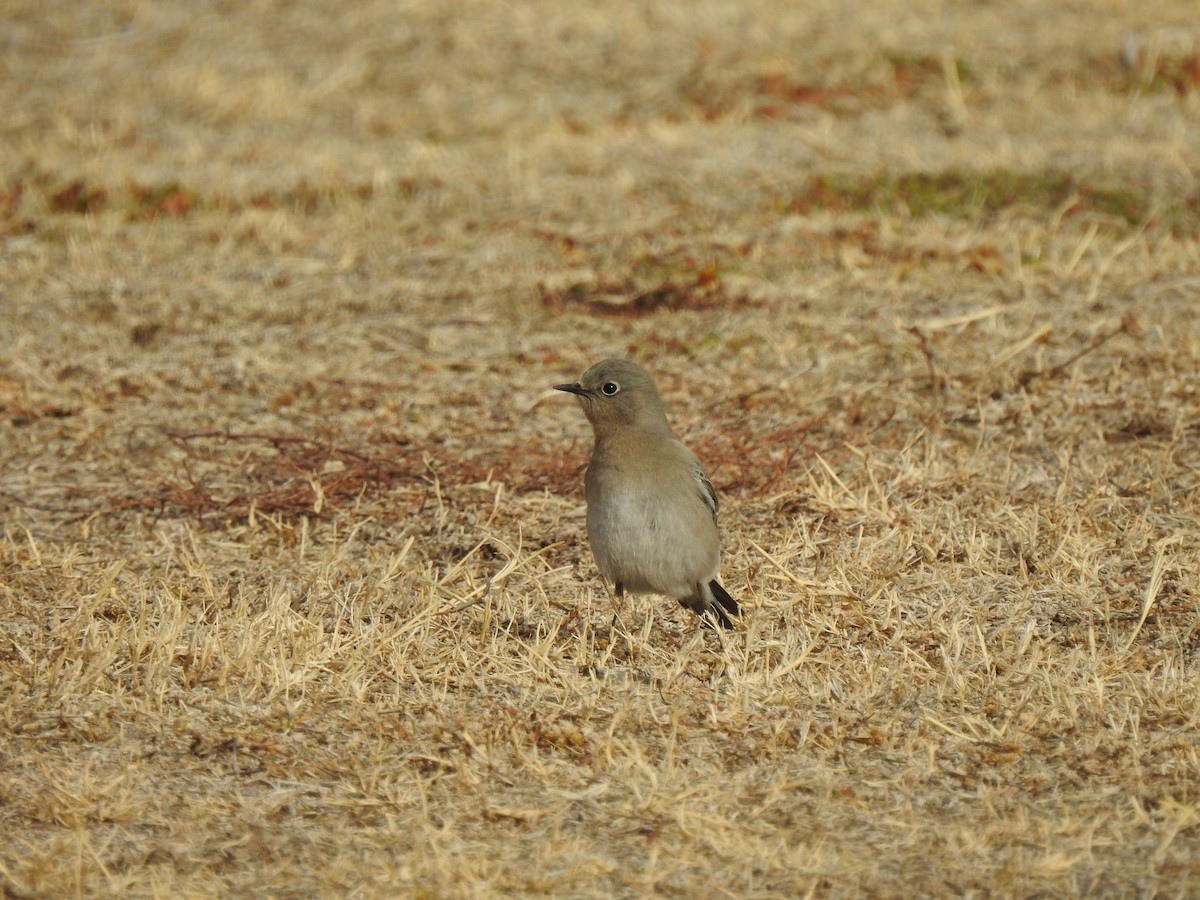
column 294, row 597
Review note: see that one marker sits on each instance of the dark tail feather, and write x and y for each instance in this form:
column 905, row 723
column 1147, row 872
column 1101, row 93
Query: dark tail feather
column 709, row 611
column 722, row 596
column 710, row 614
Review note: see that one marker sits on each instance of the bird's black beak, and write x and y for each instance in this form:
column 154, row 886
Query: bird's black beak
column 575, row 388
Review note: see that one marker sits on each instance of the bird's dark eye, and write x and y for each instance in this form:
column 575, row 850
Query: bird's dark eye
column 609, row 388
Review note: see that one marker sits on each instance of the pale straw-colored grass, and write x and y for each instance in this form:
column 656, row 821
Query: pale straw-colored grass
column 294, row 593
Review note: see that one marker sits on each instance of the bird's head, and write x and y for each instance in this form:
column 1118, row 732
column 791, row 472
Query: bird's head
column 618, row 393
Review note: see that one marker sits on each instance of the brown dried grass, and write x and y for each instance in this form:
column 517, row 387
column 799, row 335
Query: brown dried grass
column 294, row 597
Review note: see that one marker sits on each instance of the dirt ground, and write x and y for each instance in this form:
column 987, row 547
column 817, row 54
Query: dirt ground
column 295, row 596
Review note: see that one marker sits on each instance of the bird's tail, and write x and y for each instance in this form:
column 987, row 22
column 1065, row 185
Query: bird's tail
column 708, row 603
column 722, row 596
column 715, row 601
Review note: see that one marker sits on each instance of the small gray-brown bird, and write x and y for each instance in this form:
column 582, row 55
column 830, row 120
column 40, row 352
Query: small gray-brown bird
column 651, row 510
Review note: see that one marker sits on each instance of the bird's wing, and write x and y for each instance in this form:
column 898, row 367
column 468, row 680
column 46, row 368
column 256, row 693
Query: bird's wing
column 707, row 494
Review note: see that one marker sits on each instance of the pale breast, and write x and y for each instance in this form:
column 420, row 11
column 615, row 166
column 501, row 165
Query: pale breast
column 649, row 525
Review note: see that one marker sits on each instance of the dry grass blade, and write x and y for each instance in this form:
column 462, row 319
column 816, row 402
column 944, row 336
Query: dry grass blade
column 295, row 598
column 1154, row 586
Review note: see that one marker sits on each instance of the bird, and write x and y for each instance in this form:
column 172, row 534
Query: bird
column 651, row 508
